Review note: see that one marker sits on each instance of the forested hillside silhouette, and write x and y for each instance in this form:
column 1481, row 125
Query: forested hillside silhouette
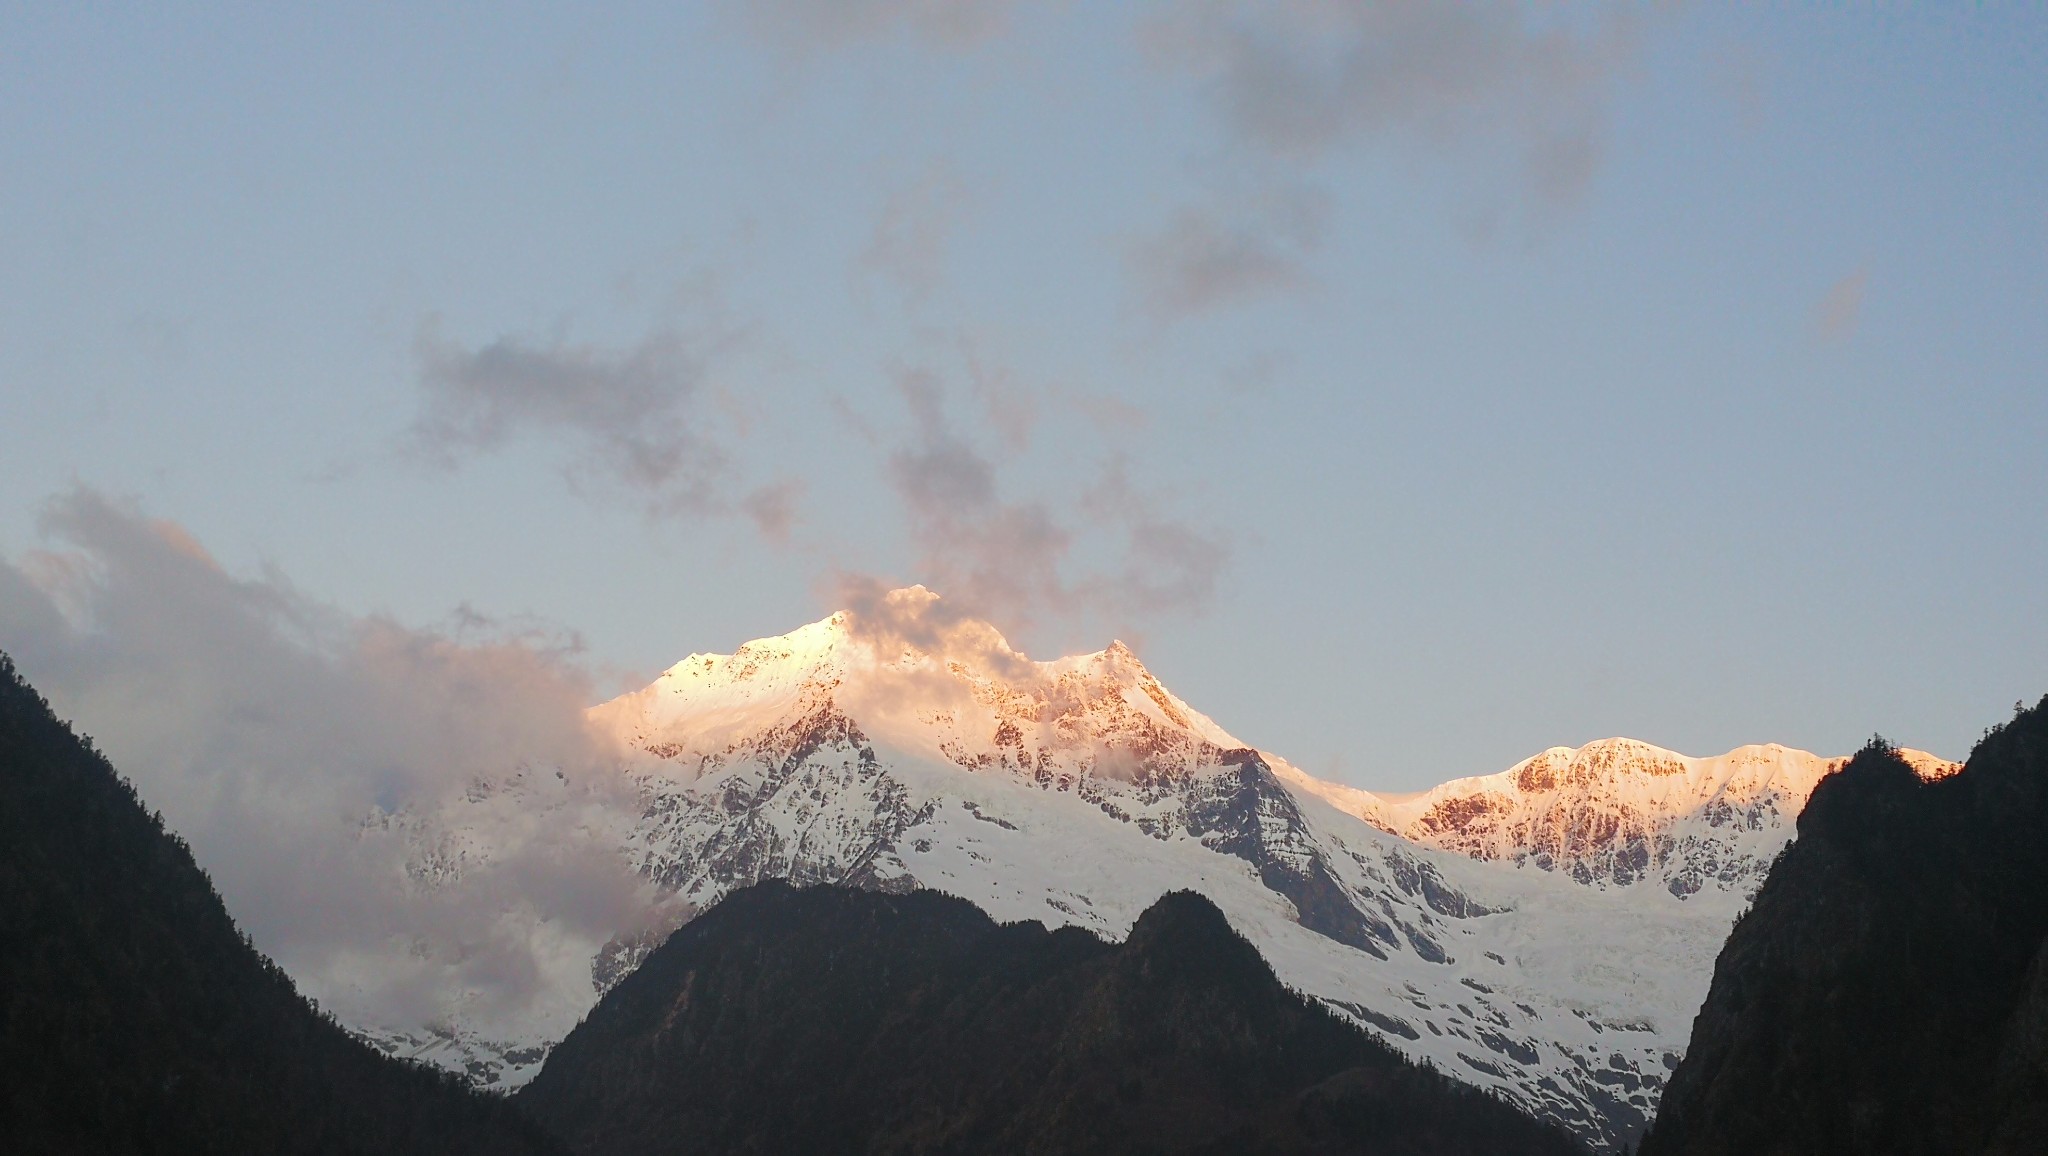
column 135, row 1017
column 833, row 1020
column 1888, row 991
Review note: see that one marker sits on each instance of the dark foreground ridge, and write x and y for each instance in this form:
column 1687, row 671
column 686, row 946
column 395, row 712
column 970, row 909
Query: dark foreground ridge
column 134, row 1017
column 831, row 1020
column 1888, row 992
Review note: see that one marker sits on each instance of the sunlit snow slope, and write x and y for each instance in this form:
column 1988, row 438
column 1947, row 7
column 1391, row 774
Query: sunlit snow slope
column 1548, row 931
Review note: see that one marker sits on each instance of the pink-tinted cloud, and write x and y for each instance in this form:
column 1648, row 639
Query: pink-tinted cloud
column 312, row 758
column 1839, row 311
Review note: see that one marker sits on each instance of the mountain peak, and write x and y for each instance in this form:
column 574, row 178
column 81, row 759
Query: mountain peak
column 1184, row 934
column 1179, row 916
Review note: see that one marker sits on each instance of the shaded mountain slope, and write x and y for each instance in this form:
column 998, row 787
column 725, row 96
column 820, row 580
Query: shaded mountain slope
column 1888, row 992
column 134, row 1017
column 834, row 1020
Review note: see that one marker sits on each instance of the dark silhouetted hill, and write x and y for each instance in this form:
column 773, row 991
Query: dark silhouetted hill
column 829, row 1020
column 1888, row 991
column 135, row 1017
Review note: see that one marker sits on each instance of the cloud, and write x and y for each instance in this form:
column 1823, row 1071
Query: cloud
column 976, row 547
column 1840, row 309
column 808, row 25
column 406, row 819
column 1105, row 551
column 1742, row 74
column 1519, row 93
column 908, row 244
column 630, row 412
column 773, row 508
column 1168, row 564
column 634, row 419
column 1012, row 408
column 1201, row 261
column 1299, row 79
column 1256, row 372
column 913, row 619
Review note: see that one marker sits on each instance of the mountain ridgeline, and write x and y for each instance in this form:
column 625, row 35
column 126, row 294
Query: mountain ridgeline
column 827, row 1019
column 135, row 1017
column 1888, row 991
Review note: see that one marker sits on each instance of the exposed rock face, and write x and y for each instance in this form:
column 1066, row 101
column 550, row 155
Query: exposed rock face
column 787, row 1021
column 1886, row 992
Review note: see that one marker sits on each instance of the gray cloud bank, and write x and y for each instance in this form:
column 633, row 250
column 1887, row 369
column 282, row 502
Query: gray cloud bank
column 369, row 798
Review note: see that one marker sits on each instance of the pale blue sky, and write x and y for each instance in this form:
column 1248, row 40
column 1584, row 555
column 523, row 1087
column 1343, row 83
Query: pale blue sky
column 1518, row 380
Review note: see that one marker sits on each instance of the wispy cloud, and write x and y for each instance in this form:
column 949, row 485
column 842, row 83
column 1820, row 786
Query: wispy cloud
column 1168, row 564
column 1204, row 259
column 306, row 754
column 908, row 244
column 1300, row 79
column 807, row 25
column 631, row 420
column 1105, row 550
column 1516, row 95
column 978, row 548
column 1839, row 311
column 630, row 413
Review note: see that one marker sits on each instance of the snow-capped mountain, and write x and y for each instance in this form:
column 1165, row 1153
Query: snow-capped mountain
column 1548, row 932
column 1620, row 813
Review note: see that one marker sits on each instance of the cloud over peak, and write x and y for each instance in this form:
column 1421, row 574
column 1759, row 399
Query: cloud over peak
column 1100, row 549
